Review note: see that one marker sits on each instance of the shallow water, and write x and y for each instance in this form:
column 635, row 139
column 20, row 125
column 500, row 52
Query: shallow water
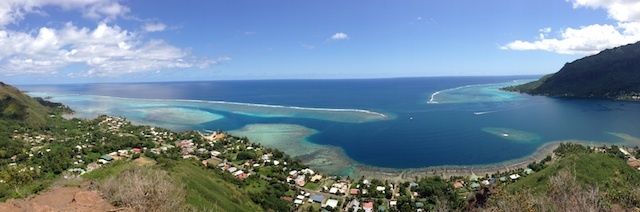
column 396, row 123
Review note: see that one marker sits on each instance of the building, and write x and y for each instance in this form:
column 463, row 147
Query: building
column 332, row 203
column 317, row 198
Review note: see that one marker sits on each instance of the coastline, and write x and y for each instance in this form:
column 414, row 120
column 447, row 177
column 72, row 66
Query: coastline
column 333, row 161
column 445, row 171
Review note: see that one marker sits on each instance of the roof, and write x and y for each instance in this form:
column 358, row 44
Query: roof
column 475, row 185
column 368, row 205
column 107, row 157
column 457, row 185
column 317, row 198
column 419, row 204
column 528, row 171
column 353, row 191
column 332, row 203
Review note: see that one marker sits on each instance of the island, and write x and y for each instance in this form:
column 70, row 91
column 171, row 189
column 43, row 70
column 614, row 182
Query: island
column 48, row 162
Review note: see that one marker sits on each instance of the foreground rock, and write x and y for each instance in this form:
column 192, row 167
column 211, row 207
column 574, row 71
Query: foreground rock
column 62, row 199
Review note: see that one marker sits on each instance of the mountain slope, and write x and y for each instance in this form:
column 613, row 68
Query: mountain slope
column 612, row 73
column 18, row 106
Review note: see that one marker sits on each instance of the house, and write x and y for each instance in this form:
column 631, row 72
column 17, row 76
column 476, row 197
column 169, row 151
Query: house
column 503, row 179
column 475, row 185
column 232, row 169
column 458, row 184
column 300, row 180
column 514, row 176
column 215, row 153
column 297, row 202
column 382, row 208
column 316, row 178
column 242, row 176
column 107, row 158
column 419, row 205
column 367, row 206
column 353, row 191
column 414, row 184
column 355, row 204
column 287, row 199
column 485, row 182
column 332, row 203
column 333, row 190
column 317, row 198
column 380, row 188
column 528, row 171
column 393, row 203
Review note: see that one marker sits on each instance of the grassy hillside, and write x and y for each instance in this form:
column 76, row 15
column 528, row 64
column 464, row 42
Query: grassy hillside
column 16, row 105
column 205, row 190
column 602, row 170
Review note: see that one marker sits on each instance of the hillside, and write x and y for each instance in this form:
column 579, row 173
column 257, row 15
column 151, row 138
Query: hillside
column 18, row 106
column 593, row 169
column 612, row 73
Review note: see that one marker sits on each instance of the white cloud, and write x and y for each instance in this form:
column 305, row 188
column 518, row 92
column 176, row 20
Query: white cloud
column 154, row 27
column 593, row 38
column 13, row 11
column 339, row 36
column 104, row 50
column 620, row 10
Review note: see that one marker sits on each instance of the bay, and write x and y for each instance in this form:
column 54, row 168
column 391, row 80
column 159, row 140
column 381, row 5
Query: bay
column 392, row 123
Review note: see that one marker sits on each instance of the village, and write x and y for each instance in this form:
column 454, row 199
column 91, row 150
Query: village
column 250, row 164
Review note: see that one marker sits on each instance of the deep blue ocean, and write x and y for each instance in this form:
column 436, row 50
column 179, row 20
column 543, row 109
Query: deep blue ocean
column 430, row 121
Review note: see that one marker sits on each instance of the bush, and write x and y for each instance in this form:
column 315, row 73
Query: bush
column 144, row 189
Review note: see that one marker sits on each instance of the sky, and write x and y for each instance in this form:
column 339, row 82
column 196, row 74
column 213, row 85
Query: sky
column 86, row 41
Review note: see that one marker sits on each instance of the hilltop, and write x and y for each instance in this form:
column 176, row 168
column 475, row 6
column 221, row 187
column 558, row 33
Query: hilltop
column 16, row 105
column 612, row 74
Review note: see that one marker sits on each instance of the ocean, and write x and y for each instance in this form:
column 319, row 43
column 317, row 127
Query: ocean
column 391, row 123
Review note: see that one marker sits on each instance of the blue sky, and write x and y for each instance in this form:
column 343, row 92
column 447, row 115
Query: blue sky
column 71, row 41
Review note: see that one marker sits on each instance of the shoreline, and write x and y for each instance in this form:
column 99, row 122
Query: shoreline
column 333, row 161
column 446, row 171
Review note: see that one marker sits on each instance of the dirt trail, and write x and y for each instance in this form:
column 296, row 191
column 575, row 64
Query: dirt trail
column 62, row 199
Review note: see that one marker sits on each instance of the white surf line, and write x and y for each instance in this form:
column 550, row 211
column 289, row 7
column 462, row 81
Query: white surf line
column 289, row 107
column 432, row 99
column 245, row 104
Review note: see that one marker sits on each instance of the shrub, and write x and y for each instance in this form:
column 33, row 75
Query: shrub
column 144, row 189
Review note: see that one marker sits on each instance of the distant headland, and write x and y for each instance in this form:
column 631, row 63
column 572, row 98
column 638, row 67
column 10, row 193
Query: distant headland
column 610, row 74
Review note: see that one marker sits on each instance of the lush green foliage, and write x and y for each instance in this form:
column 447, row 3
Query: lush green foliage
column 612, row 73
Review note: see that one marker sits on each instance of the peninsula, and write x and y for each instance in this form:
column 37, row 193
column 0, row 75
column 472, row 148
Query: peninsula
column 610, row 74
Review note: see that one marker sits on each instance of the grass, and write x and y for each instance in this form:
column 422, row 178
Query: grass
column 312, row 186
column 207, row 191
column 602, row 170
column 103, row 173
column 257, row 186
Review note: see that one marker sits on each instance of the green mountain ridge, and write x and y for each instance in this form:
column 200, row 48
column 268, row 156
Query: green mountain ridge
column 16, row 105
column 612, row 74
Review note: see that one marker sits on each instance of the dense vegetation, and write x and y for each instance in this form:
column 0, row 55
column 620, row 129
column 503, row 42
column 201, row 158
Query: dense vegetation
column 612, row 73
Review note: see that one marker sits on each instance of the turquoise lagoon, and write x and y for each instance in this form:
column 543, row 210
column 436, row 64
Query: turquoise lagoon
column 389, row 123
